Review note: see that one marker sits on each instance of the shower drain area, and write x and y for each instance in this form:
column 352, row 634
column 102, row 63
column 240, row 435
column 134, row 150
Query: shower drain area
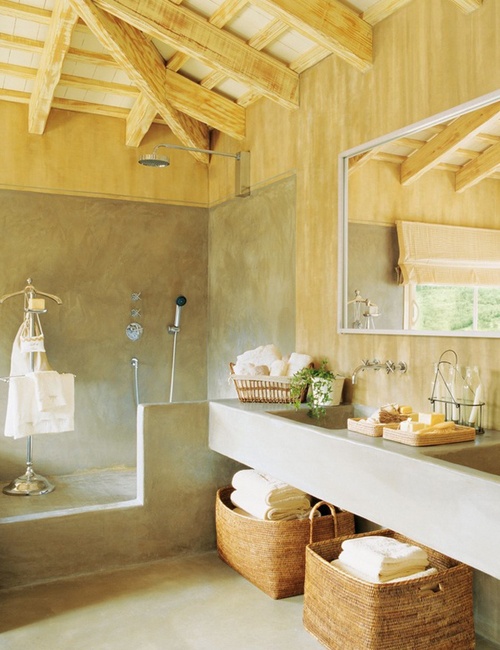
column 99, row 489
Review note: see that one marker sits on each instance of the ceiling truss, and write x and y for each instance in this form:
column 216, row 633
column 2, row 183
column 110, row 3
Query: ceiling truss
column 194, row 65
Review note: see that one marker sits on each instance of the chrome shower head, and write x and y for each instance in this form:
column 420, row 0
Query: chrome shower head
column 154, row 160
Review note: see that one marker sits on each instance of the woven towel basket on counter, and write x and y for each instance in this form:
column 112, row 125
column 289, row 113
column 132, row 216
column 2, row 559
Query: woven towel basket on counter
column 263, row 388
column 271, row 554
column 347, row 613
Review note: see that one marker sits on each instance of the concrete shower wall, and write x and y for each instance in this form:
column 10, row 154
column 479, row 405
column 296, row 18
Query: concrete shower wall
column 93, row 254
column 177, row 516
column 251, row 278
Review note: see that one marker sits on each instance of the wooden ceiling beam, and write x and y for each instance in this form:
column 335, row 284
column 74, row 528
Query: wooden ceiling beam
column 139, row 120
column 328, row 23
column 25, row 12
column 145, row 67
column 200, row 103
column 32, row 45
column 72, row 81
column 468, row 6
column 226, row 12
column 382, row 10
column 446, row 142
column 478, row 169
column 63, row 20
column 215, row 48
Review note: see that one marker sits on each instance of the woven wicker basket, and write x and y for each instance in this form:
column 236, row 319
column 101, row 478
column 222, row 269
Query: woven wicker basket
column 347, row 613
column 263, row 389
column 271, row 554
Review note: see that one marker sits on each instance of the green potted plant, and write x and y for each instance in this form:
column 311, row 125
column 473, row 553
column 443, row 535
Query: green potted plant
column 324, row 388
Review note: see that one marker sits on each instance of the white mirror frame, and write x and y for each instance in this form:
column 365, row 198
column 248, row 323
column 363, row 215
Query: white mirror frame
column 343, row 225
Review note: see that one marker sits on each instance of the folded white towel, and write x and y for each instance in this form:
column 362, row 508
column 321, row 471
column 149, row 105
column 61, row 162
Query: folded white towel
column 383, row 557
column 368, row 578
column 380, row 548
column 298, row 361
column 264, row 355
column 286, row 509
column 48, row 389
column 264, row 487
column 59, row 419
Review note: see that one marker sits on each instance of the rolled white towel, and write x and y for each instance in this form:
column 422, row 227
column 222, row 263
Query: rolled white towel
column 264, row 487
column 279, row 368
column 298, row 361
column 368, row 578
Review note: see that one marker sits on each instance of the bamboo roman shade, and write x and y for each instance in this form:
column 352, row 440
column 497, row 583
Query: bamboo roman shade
column 436, row 254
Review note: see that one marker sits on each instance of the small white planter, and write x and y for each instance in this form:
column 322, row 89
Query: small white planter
column 321, row 393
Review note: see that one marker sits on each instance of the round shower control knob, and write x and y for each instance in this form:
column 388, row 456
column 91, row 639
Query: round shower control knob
column 134, row 331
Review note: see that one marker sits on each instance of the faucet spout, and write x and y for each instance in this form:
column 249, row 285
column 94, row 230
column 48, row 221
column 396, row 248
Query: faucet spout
column 359, row 368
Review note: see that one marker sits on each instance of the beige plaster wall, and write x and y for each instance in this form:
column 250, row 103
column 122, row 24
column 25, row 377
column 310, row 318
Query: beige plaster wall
column 83, row 154
column 94, row 253
column 429, row 57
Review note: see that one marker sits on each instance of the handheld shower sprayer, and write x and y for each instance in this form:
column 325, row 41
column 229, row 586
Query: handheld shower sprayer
column 175, row 329
column 179, row 304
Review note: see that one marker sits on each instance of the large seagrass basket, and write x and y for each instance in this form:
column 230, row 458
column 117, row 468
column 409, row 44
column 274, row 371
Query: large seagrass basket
column 348, row 613
column 271, row 554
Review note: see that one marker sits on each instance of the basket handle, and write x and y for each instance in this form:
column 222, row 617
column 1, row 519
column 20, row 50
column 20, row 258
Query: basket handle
column 312, row 517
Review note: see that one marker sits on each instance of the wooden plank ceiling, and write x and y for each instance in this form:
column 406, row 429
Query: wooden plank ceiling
column 194, row 65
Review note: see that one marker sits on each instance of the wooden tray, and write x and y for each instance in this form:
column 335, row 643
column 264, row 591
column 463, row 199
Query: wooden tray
column 426, row 438
column 359, row 425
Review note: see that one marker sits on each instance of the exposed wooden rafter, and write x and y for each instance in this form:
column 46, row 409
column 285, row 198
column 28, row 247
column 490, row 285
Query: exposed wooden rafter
column 144, row 65
column 330, row 24
column 192, row 34
column 447, row 141
column 195, row 66
column 61, row 26
column 478, row 169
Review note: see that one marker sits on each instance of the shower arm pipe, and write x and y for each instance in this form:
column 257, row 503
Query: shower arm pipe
column 237, row 156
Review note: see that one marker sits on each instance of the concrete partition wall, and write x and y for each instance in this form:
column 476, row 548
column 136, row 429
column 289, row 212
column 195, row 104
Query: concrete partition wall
column 177, row 517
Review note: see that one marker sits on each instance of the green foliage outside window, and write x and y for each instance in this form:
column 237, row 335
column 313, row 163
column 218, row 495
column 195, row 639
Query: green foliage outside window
column 451, row 308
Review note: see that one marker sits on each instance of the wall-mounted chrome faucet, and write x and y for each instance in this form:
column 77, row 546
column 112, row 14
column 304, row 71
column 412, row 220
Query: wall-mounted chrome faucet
column 375, row 364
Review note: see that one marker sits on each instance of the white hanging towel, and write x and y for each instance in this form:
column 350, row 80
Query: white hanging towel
column 40, row 400
column 49, row 392
column 24, row 418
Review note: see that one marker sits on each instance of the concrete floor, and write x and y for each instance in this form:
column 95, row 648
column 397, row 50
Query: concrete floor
column 185, row 603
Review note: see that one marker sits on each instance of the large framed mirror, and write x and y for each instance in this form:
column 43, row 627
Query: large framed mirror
column 419, row 227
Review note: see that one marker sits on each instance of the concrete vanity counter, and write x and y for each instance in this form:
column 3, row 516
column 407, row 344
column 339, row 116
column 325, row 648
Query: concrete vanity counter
column 449, row 507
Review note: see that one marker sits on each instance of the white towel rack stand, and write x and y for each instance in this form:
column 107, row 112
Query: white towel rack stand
column 30, row 483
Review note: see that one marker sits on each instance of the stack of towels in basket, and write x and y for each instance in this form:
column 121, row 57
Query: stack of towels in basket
column 380, row 559
column 263, row 497
column 267, row 360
